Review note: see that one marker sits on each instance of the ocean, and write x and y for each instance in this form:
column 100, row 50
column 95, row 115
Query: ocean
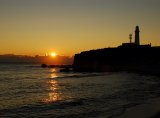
column 29, row 91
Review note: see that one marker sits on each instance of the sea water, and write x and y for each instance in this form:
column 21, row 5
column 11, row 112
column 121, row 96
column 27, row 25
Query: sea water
column 29, row 91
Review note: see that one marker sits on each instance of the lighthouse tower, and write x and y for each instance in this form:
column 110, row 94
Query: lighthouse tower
column 137, row 39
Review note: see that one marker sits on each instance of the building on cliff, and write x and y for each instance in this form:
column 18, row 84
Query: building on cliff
column 128, row 57
column 136, row 43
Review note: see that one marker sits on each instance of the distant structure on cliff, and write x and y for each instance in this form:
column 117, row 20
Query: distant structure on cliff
column 130, row 56
column 137, row 40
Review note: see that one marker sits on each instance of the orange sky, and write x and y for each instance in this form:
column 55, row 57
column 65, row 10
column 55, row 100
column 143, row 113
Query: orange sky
column 31, row 27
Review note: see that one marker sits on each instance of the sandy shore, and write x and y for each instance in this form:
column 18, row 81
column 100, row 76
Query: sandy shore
column 151, row 109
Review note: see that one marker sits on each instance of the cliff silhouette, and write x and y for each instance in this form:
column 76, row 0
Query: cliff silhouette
column 126, row 57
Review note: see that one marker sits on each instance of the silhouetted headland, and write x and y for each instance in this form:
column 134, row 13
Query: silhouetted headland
column 127, row 57
column 24, row 59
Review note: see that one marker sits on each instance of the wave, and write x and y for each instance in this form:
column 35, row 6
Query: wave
column 79, row 75
column 39, row 108
column 74, row 108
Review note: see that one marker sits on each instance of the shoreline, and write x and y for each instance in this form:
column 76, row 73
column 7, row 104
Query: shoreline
column 150, row 109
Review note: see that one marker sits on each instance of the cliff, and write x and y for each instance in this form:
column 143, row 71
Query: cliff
column 140, row 58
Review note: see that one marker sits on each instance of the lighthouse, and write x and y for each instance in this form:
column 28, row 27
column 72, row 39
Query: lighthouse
column 137, row 39
column 136, row 43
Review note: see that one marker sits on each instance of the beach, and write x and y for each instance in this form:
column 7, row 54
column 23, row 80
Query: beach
column 150, row 109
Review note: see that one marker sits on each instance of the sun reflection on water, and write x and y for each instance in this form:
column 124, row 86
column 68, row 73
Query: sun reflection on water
column 52, row 97
column 53, row 73
column 53, row 89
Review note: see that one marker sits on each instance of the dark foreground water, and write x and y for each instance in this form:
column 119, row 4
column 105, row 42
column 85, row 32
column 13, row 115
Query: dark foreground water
column 28, row 91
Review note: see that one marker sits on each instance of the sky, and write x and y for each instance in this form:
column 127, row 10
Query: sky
column 31, row 27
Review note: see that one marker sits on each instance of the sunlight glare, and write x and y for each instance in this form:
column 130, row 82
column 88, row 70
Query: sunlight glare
column 53, row 54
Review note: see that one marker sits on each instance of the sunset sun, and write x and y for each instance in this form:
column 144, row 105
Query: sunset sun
column 53, row 54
